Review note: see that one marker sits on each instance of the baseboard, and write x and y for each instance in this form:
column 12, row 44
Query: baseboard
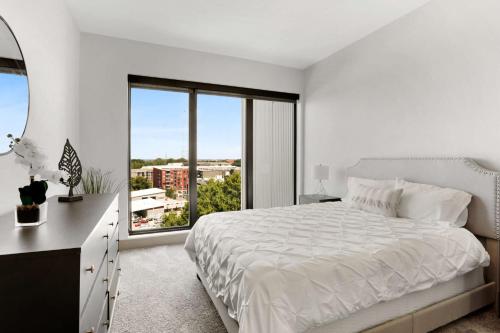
column 149, row 240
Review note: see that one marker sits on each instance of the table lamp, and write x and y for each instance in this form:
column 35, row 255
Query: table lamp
column 321, row 172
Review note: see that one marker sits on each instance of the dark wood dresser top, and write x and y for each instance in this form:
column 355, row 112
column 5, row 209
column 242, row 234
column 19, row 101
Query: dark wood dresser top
column 68, row 226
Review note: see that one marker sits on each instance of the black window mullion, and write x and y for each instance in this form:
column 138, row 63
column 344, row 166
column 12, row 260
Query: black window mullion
column 295, row 153
column 249, row 153
column 193, row 157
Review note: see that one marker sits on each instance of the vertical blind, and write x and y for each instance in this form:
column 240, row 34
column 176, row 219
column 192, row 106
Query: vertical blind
column 273, row 154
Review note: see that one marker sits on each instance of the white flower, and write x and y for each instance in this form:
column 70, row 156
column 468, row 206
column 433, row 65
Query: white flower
column 28, row 154
column 51, row 176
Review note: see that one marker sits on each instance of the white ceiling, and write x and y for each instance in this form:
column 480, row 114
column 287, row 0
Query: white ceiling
column 294, row 33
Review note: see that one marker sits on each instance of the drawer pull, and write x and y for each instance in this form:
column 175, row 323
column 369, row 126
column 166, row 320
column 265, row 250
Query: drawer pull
column 105, row 280
column 111, row 261
column 111, row 224
column 105, row 236
column 106, row 323
column 90, row 330
column 91, row 269
column 113, row 298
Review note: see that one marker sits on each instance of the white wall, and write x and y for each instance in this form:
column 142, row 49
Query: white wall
column 425, row 85
column 8, row 45
column 105, row 64
column 50, row 43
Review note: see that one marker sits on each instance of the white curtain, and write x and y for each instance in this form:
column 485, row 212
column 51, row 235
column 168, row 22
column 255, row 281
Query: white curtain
column 273, row 154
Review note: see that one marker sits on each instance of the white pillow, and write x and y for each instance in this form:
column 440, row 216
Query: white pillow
column 422, row 201
column 382, row 201
column 353, row 182
column 462, row 218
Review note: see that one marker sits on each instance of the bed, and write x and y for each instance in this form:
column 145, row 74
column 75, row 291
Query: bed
column 329, row 268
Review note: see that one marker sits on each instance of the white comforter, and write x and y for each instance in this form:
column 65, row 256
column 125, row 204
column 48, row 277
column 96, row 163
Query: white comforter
column 291, row 269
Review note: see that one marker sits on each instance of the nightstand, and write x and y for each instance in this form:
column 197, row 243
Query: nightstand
column 316, row 198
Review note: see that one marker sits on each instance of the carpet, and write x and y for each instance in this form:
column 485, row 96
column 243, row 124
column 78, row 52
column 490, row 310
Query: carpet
column 159, row 293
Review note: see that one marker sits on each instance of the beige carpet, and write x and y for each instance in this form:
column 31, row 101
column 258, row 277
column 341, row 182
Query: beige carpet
column 159, row 293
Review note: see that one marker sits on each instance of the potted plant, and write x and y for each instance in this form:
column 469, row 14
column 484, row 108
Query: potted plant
column 33, row 208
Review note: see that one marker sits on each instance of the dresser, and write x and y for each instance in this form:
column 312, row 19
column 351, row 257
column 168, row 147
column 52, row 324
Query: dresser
column 63, row 275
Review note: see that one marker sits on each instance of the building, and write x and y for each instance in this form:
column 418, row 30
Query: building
column 214, row 163
column 174, row 204
column 145, row 171
column 149, row 205
column 173, row 176
column 148, row 208
column 149, row 193
column 217, row 172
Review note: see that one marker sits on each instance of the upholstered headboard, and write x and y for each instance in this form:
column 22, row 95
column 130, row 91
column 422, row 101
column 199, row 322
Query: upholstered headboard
column 459, row 173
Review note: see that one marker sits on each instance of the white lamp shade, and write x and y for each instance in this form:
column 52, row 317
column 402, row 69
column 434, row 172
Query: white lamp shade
column 321, row 172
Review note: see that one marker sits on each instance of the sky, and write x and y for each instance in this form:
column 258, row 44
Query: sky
column 13, row 107
column 159, row 125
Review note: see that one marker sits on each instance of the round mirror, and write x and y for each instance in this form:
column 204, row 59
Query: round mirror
column 14, row 92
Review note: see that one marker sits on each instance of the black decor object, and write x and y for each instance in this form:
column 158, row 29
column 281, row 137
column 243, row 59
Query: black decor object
column 71, row 164
column 34, row 193
column 28, row 213
column 32, row 196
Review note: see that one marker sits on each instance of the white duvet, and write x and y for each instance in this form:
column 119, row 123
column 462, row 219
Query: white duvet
column 291, row 269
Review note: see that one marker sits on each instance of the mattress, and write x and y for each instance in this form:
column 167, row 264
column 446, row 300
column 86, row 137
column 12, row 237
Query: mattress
column 378, row 313
column 385, row 311
column 294, row 269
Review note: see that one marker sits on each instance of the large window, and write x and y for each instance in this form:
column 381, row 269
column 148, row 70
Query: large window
column 192, row 151
column 159, row 166
column 219, row 154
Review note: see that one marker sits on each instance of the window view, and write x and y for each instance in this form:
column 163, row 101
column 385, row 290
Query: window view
column 159, row 166
column 13, row 107
column 159, row 147
column 219, row 154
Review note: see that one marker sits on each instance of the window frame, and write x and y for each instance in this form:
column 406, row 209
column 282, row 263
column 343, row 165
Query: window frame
column 193, row 89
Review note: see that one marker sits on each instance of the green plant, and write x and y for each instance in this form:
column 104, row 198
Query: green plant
column 140, row 183
column 34, row 193
column 214, row 196
column 95, row 181
column 170, row 193
column 172, row 220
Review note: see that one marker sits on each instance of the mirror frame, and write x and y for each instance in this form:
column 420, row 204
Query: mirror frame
column 2, row 20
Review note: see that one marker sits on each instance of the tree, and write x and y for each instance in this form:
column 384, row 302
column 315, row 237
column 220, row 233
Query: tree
column 140, row 183
column 136, row 163
column 220, row 196
column 214, row 196
column 237, row 163
column 170, row 193
column 163, row 161
column 173, row 220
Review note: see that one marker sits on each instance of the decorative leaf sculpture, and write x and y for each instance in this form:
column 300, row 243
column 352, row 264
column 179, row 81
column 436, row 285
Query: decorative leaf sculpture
column 70, row 163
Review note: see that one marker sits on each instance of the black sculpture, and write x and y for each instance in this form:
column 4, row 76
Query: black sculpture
column 70, row 163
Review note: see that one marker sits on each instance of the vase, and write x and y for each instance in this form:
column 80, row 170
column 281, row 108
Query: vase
column 31, row 216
